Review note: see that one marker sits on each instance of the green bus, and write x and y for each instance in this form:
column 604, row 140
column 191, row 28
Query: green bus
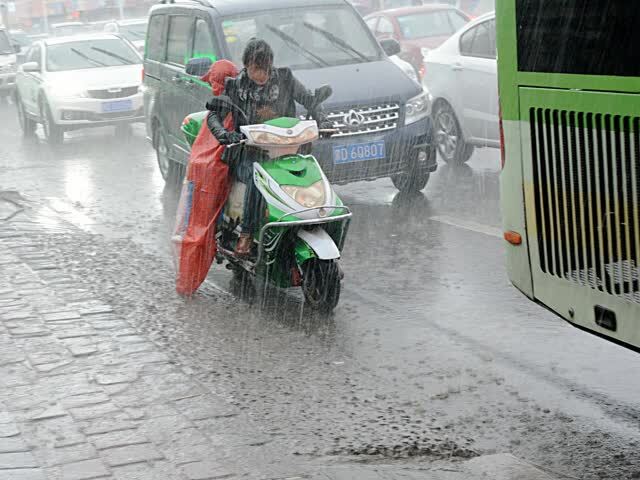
column 569, row 83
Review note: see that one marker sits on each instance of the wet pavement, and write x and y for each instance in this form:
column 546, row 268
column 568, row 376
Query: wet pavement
column 431, row 358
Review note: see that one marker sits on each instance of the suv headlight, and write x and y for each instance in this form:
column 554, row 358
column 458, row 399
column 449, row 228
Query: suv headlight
column 309, row 197
column 417, row 108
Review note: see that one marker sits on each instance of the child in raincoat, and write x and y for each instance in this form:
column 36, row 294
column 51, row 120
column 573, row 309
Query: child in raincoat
column 204, row 193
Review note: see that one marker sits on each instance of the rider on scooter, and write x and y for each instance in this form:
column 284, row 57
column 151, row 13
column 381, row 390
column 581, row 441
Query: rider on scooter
column 263, row 93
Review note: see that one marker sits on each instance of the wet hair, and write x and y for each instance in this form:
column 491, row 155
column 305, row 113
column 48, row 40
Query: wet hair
column 258, row 53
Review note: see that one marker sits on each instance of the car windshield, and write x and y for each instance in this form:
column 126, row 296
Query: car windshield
column 5, row 44
column 430, row 24
column 135, row 31
column 90, row 54
column 304, row 38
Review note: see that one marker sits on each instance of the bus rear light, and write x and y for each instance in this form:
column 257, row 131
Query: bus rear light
column 142, row 75
column 502, row 157
column 514, row 238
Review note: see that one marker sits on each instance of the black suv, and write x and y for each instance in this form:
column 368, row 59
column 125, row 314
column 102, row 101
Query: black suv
column 382, row 116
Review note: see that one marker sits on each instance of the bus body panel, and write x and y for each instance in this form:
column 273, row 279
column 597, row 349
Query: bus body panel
column 513, row 211
column 581, row 179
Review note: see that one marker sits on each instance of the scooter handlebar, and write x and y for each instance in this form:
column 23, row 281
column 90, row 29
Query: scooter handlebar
column 241, row 142
column 327, row 132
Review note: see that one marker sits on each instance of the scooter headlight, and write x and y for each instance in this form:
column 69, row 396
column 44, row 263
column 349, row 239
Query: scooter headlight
column 268, row 138
column 265, row 138
column 309, row 197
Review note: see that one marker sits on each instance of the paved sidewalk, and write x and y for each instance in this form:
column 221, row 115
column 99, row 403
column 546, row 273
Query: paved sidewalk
column 83, row 395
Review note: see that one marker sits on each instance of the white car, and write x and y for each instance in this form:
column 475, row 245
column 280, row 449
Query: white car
column 77, row 82
column 461, row 76
column 134, row 30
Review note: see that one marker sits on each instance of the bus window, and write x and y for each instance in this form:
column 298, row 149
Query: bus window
column 567, row 36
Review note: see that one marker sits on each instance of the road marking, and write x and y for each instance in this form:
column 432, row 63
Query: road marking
column 468, row 225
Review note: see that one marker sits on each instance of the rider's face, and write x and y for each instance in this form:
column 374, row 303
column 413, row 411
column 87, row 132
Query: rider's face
column 259, row 75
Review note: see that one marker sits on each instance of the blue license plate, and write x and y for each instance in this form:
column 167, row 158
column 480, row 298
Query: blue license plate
column 117, row 106
column 358, row 152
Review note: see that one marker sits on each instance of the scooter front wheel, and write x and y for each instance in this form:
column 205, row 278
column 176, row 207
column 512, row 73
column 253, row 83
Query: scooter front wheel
column 321, row 284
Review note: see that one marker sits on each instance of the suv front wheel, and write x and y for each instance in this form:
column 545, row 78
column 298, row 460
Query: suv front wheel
column 168, row 168
column 416, row 177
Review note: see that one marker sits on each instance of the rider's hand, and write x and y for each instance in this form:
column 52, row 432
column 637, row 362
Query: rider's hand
column 231, row 137
column 236, row 137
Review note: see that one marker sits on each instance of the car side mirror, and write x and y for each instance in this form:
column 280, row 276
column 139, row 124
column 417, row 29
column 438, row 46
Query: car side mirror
column 197, row 67
column 30, row 67
column 16, row 48
column 390, row 46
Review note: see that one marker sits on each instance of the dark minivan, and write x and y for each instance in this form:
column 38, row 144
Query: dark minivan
column 382, row 116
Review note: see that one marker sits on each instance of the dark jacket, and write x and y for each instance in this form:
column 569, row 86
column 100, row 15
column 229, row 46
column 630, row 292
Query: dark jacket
column 277, row 98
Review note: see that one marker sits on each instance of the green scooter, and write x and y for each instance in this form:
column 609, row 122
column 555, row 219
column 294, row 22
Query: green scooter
column 304, row 226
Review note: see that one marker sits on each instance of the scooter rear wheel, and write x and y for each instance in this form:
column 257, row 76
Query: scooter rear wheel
column 243, row 285
column 321, row 284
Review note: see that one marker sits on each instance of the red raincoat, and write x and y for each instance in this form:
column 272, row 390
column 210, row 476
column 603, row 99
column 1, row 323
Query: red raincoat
column 209, row 189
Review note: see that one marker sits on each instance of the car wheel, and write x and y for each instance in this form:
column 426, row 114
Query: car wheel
column 53, row 134
column 168, row 168
column 416, row 177
column 449, row 138
column 27, row 124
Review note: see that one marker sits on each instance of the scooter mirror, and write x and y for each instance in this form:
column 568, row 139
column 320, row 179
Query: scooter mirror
column 322, row 93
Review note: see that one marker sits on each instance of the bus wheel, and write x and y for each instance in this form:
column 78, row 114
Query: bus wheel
column 449, row 140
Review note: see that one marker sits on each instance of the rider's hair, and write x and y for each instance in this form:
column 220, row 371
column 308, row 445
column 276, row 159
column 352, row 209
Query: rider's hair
column 258, row 53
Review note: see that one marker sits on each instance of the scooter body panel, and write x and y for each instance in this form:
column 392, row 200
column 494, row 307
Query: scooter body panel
column 320, row 242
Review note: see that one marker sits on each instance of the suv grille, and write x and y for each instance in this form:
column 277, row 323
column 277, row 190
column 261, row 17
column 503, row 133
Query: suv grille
column 373, row 119
column 586, row 175
column 106, row 94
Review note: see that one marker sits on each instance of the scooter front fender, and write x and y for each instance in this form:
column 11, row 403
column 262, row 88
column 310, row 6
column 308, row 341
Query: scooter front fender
column 320, row 242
